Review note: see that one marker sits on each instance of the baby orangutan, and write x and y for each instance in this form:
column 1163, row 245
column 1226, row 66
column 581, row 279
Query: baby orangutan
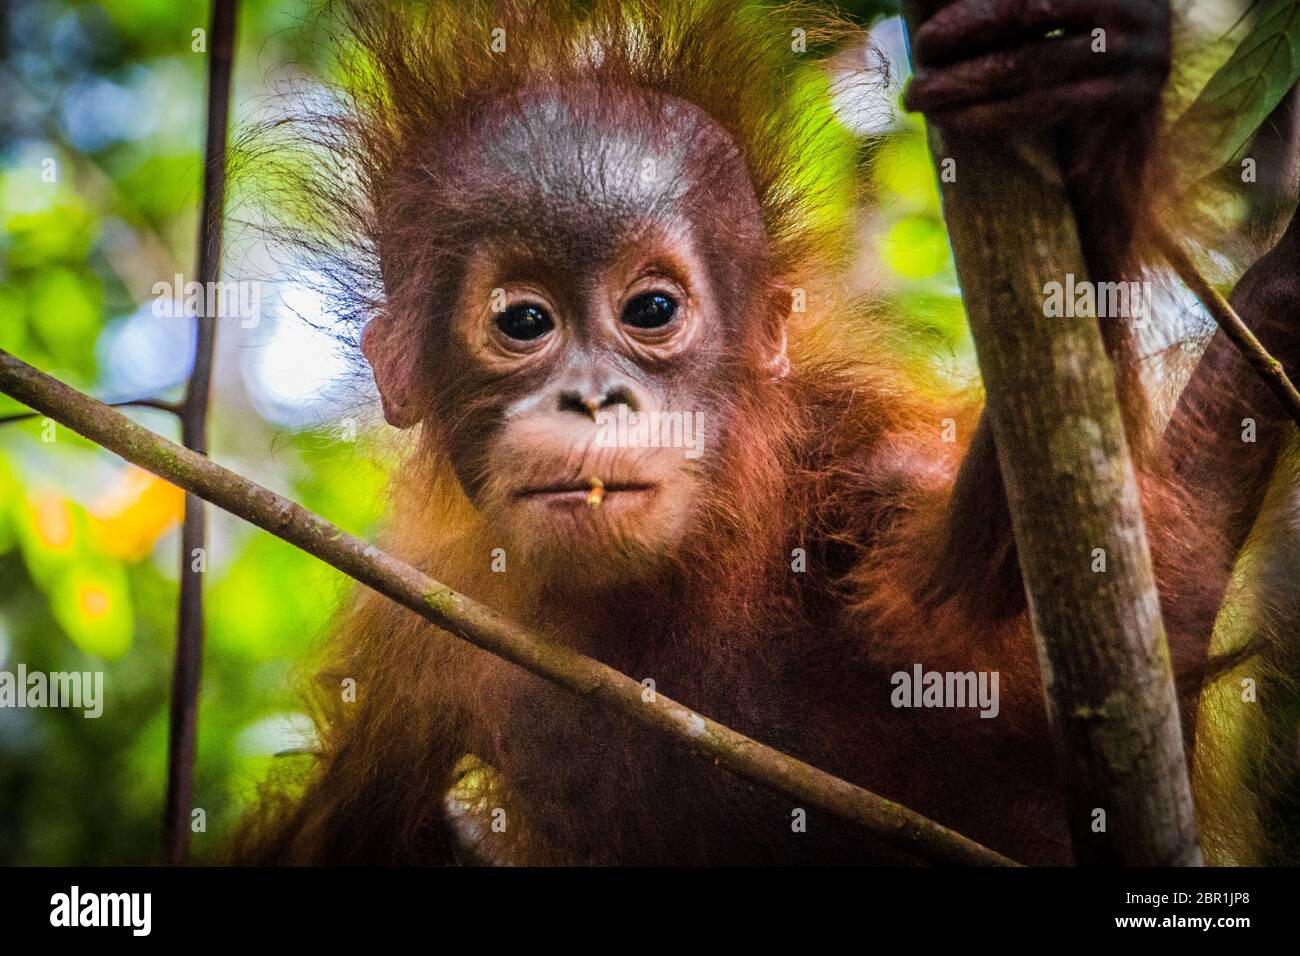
column 623, row 212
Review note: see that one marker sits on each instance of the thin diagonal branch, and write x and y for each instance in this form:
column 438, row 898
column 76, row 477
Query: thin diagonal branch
column 484, row 628
column 158, row 403
column 1265, row 365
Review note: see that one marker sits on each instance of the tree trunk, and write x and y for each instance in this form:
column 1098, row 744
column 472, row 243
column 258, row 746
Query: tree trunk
column 1074, row 501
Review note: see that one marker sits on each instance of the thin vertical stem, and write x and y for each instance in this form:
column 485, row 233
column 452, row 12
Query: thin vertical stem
column 194, row 434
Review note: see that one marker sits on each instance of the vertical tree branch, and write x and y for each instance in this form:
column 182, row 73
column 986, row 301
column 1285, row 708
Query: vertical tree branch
column 1073, row 495
column 194, row 435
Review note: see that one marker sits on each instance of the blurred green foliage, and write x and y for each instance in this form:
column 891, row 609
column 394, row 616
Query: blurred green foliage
column 109, row 97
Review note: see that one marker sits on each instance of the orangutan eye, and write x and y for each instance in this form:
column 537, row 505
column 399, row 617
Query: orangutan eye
column 525, row 322
column 652, row 310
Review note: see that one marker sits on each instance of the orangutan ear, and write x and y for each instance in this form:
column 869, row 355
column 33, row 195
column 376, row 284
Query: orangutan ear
column 776, row 359
column 394, row 372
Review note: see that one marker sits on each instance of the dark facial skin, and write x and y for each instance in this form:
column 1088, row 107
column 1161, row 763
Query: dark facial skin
column 612, row 260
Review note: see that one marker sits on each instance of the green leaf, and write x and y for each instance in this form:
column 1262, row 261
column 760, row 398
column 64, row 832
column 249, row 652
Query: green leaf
column 1241, row 95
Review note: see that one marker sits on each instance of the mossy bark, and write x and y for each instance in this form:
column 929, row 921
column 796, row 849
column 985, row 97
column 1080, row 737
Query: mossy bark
column 1073, row 495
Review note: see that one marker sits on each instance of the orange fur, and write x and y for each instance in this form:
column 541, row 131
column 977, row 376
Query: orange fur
column 842, row 459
